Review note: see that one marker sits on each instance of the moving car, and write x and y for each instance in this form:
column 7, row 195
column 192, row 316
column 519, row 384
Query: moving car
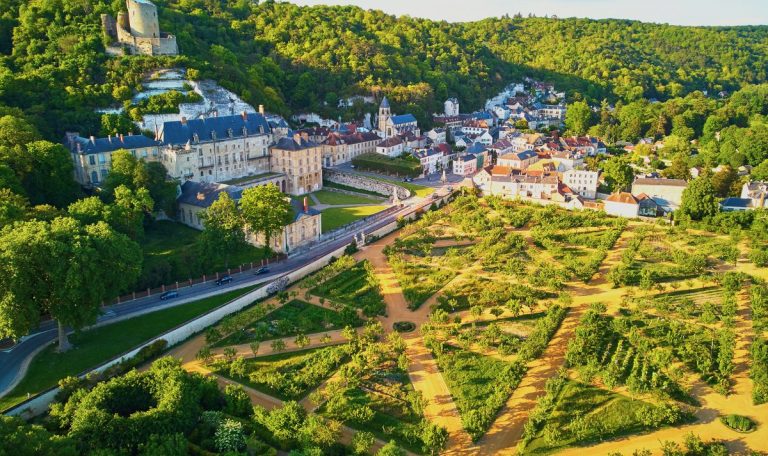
column 224, row 279
column 169, row 295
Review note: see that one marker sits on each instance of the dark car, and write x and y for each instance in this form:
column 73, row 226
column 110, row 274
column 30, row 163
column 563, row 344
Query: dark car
column 262, row 270
column 169, row 295
column 224, row 279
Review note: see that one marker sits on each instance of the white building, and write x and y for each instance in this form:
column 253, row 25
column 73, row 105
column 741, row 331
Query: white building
column 437, row 135
column 451, row 107
column 391, row 147
column 622, row 204
column 465, row 165
column 668, row 193
column 518, row 160
column 430, row 159
column 583, row 182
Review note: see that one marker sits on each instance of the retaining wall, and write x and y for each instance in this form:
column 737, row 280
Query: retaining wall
column 365, row 183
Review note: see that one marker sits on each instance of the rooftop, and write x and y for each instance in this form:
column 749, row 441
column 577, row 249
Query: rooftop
column 203, row 194
column 660, row 181
column 213, row 128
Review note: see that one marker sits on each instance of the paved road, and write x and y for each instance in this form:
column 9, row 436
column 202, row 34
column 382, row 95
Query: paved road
column 12, row 359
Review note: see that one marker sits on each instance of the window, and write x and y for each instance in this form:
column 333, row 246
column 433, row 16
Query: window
column 91, row 160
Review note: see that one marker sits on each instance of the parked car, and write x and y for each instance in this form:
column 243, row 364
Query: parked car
column 224, row 279
column 262, row 270
column 169, row 295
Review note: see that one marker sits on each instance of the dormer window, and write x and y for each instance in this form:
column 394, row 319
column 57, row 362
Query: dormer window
column 261, row 129
column 213, row 135
column 245, row 131
column 230, row 132
column 195, row 138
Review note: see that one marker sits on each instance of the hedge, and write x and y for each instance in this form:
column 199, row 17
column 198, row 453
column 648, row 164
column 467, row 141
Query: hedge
column 379, row 162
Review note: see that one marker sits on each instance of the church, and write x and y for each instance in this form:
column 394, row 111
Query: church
column 390, row 125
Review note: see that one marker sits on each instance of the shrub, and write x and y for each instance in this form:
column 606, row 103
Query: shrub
column 738, row 423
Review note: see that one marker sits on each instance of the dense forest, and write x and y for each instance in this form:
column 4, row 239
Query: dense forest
column 53, row 67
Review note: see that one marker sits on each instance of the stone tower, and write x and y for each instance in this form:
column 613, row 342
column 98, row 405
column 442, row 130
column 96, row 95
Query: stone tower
column 385, row 113
column 142, row 15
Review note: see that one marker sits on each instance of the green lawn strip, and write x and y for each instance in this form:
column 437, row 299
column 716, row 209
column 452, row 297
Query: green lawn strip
column 294, row 318
column 337, row 198
column 352, row 189
column 170, row 255
column 480, row 385
column 98, row 345
column 354, row 288
column 336, row 217
column 289, row 376
column 585, row 414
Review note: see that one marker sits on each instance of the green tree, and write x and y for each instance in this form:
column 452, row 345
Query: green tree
column 131, row 207
column 678, row 169
column 22, row 439
column 44, row 170
column 390, row 449
column 223, row 229
column 724, row 182
column 617, row 173
column 760, row 172
column 699, row 199
column 578, row 118
column 362, row 442
column 63, row 269
column 13, row 207
column 266, row 211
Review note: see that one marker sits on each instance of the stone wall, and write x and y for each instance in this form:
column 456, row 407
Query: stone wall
column 365, row 183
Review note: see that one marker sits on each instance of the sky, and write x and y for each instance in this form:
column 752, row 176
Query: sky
column 680, row 12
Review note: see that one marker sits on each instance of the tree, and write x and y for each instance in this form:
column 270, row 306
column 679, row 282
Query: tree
column 13, row 207
column 265, row 210
column 362, row 442
column 45, row 171
column 760, row 172
column 617, row 173
column 302, row 340
column 699, row 199
column 223, row 232
column 22, row 439
column 678, row 169
column 131, row 207
column 578, row 118
column 230, row 436
column 63, row 269
column 390, row 449
column 724, row 182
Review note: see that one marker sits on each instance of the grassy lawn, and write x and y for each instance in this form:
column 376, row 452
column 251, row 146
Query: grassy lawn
column 290, row 376
column 354, row 287
column 294, row 318
column 336, row 217
column 98, row 345
column 336, row 198
column 169, row 255
column 585, row 414
column 420, row 281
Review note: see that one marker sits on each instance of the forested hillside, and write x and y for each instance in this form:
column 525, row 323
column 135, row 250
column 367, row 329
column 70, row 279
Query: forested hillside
column 53, row 68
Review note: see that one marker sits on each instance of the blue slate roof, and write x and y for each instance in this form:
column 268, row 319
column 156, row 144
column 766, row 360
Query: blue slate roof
column 224, row 127
column 203, row 194
column 110, row 144
column 385, row 103
column 482, row 115
column 298, row 209
column 744, row 203
column 476, row 148
column 526, row 154
column 403, row 119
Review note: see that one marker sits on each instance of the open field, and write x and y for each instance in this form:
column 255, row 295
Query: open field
column 336, row 217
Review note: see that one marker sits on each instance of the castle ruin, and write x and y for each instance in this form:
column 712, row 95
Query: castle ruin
column 138, row 30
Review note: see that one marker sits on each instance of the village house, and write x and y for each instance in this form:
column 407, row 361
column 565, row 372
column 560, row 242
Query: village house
column 668, row 193
column 756, row 192
column 583, row 182
column 622, row 204
column 437, row 135
column 518, row 160
column 339, row 148
column 465, row 165
column 451, row 107
column 391, row 147
column 430, row 159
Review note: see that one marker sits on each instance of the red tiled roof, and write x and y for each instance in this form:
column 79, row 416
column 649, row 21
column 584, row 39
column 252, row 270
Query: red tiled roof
column 622, row 197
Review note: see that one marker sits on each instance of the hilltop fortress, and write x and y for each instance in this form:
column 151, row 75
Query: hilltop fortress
column 138, row 30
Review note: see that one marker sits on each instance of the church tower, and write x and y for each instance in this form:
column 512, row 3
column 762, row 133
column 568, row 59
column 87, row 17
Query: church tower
column 384, row 114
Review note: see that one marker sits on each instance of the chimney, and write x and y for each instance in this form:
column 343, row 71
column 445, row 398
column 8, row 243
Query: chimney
column 297, row 138
column 93, row 140
column 305, row 135
column 183, row 120
column 71, row 136
column 244, row 115
column 122, row 138
column 109, row 138
column 200, row 196
column 306, row 205
column 261, row 109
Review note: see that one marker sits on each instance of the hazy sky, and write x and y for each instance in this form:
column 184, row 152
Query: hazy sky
column 683, row 12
